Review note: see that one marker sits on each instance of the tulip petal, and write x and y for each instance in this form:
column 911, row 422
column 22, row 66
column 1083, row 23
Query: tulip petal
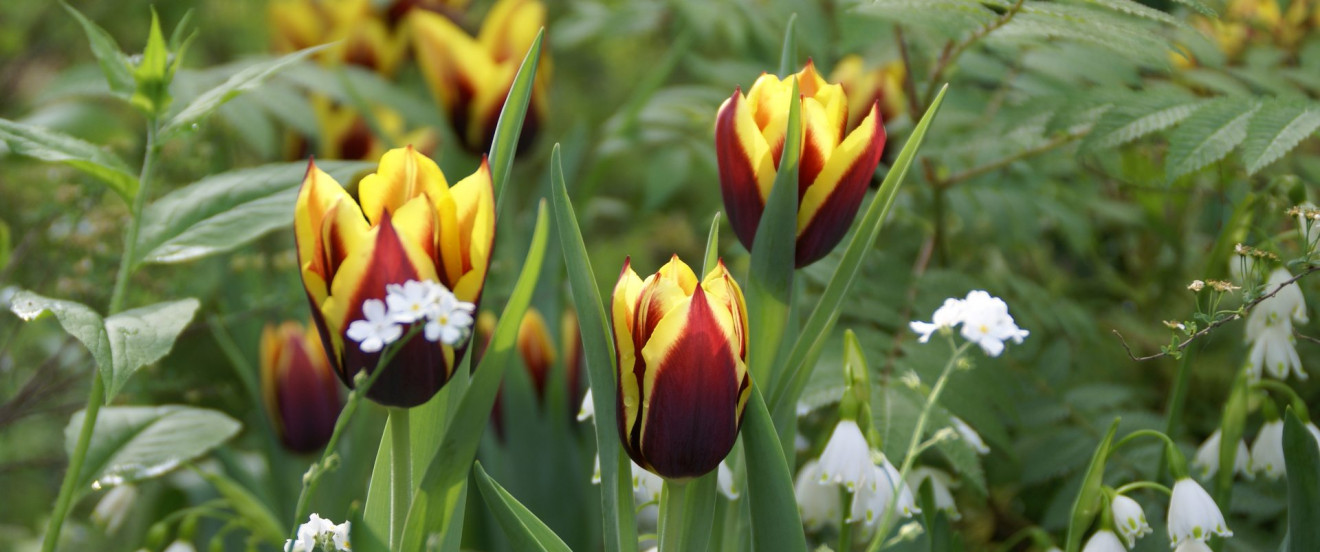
column 318, row 193
column 622, row 306
column 343, row 230
column 690, row 419
column 746, row 169
column 768, row 101
column 474, row 216
column 402, row 175
column 832, row 200
column 455, row 66
column 510, row 27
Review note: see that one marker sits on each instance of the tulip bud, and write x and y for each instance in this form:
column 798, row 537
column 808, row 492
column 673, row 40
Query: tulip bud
column 681, row 347
column 301, row 394
column 882, row 86
column 572, row 347
column 471, row 77
column 360, row 34
column 410, row 224
column 834, row 171
column 538, row 352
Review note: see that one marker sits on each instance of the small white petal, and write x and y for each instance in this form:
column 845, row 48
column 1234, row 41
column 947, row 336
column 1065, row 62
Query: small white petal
column 1104, row 540
column 846, row 459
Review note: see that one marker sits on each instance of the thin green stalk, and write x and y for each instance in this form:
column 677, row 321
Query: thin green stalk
column 1138, row 434
column 400, row 474
column 671, row 515
column 845, row 512
column 914, row 444
column 1125, row 489
column 1288, row 392
column 97, row 396
column 1178, row 397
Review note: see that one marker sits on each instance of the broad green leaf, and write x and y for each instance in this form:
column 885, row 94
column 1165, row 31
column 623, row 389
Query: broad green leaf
column 523, row 529
column 113, row 61
column 227, row 210
column 711, row 257
column 618, row 522
column 816, row 332
column 1087, row 504
column 242, row 81
column 788, row 55
column 770, row 280
column 1301, row 455
column 142, row 336
column 1208, row 135
column 79, row 320
column 260, row 520
column 132, row 443
column 699, row 512
column 443, row 483
column 776, row 524
column 426, row 427
column 509, row 127
column 49, row 145
column 1276, row 129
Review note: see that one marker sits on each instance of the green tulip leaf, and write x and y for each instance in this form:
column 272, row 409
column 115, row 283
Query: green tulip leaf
column 712, row 255
column 523, row 529
column 776, row 524
column 509, row 127
column 132, row 443
column 246, row 80
column 811, row 340
column 227, row 210
column 113, row 61
column 444, row 481
column 48, row 145
column 788, row 55
column 618, row 522
column 1301, row 455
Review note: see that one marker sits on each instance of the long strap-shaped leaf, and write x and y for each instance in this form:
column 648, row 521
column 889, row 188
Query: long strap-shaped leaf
column 509, row 127
column 598, row 352
column 807, row 349
column 1303, row 463
column 445, row 478
column 776, row 524
column 524, row 530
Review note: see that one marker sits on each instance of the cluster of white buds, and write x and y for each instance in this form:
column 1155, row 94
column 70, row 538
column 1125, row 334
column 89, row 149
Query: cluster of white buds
column 984, row 318
column 447, row 320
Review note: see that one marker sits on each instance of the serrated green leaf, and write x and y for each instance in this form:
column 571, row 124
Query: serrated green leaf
column 1301, row 455
column 48, row 145
column 1128, row 122
column 1130, row 7
column 227, row 210
column 242, row 81
column 1276, row 129
column 965, row 462
column 133, row 443
column 1208, row 135
column 113, row 61
column 445, row 478
column 142, row 336
column 1121, row 35
column 618, row 521
column 523, row 529
column 950, row 18
column 509, row 127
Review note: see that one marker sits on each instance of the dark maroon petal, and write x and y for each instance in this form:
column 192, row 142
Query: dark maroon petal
column 742, row 197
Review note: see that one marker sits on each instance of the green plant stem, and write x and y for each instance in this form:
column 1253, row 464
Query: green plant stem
column 845, row 512
column 400, row 474
column 1178, row 397
column 1125, row 489
column 914, row 444
column 1139, row 434
column 1283, row 389
column 68, row 487
column 671, row 515
column 362, row 384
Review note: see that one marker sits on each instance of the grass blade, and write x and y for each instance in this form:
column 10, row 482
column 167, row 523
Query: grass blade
column 523, row 529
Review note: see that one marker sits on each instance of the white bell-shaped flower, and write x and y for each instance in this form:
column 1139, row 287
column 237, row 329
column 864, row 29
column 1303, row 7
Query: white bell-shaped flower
column 818, row 504
column 1193, row 515
column 846, row 459
column 1130, row 519
column 1104, row 540
column 1267, row 450
column 1206, row 461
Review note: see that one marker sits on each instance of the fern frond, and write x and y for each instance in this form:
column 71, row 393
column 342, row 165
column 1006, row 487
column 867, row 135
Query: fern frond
column 1128, row 122
column 1208, row 135
column 1278, row 128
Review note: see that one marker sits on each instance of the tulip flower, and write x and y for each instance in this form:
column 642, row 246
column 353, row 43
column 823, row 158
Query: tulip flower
column 398, row 10
column 681, row 347
column 536, row 348
column 409, row 225
column 470, row 77
column 345, row 134
column 299, row 388
column 360, row 34
column 882, row 86
column 834, row 171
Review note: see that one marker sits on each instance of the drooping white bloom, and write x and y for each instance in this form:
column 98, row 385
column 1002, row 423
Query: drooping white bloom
column 1206, row 461
column 1270, row 330
column 871, row 502
column 984, row 319
column 1193, row 515
column 1267, row 450
column 1130, row 519
column 940, row 485
column 588, row 409
column 1104, row 540
column 411, row 300
column 322, row 532
column 724, row 481
column 846, row 459
column 377, row 329
column 1193, row 546
column 969, row 435
column 450, row 320
column 818, row 504
column 947, row 316
column 114, row 508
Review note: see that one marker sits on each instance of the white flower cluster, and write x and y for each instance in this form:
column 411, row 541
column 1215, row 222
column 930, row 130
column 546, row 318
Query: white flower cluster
column 448, row 320
column 1264, row 457
column 1206, row 461
column 984, row 318
column 1270, row 329
column 321, row 532
column 847, row 462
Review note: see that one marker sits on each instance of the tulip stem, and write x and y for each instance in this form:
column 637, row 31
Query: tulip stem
column 64, row 501
column 400, row 474
column 361, row 384
column 671, row 515
column 914, row 444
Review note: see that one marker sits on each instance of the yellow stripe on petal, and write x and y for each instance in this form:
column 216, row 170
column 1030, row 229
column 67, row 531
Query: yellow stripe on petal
column 342, row 231
column 754, row 145
column 768, row 99
column 474, row 203
column 417, row 226
column 843, row 160
column 453, row 63
column 510, row 27
column 402, row 175
column 319, row 192
column 270, row 369
column 679, row 273
column 622, row 304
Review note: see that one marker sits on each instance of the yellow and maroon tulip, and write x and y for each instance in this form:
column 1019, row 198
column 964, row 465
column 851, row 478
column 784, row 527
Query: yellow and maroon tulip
column 410, row 224
column 865, row 86
column 572, row 347
column 470, row 77
column 681, row 347
column 360, row 33
column 834, row 172
column 536, row 348
column 298, row 386
column 345, row 134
